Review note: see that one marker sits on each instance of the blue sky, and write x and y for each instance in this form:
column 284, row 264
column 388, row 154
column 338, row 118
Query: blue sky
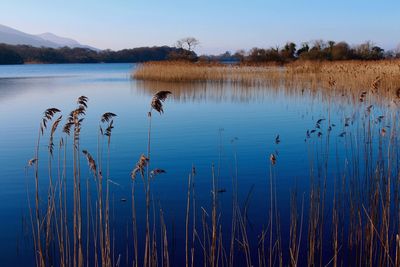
column 220, row 25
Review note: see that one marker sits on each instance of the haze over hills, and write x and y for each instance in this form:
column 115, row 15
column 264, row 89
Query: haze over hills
column 12, row 36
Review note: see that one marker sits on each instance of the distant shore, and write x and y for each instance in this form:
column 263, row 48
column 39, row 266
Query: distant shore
column 24, row 54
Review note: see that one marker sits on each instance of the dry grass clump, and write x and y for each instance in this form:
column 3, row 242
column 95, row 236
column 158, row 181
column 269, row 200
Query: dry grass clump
column 178, row 71
column 350, row 75
column 353, row 76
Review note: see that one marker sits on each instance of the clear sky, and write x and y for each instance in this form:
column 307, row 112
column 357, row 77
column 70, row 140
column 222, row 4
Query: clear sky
column 220, row 25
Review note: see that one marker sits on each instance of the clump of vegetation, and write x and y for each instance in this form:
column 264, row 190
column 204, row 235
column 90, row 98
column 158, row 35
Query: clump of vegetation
column 349, row 76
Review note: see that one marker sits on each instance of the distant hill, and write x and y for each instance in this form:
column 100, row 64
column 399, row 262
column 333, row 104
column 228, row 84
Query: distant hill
column 63, row 41
column 12, row 36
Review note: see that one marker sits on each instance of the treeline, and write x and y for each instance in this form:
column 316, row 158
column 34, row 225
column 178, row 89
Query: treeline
column 318, row 50
column 20, row 54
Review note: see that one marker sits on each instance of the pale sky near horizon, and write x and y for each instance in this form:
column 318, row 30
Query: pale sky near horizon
column 220, row 25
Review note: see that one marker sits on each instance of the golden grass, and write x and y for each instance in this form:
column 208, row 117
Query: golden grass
column 341, row 75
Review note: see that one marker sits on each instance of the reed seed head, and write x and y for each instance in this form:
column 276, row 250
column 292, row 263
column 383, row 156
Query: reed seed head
column 32, row 161
column 47, row 116
column 53, row 130
column 91, row 162
column 158, row 99
column 106, row 117
column 109, row 129
column 140, row 166
column 156, row 172
column 272, row 159
column 82, row 101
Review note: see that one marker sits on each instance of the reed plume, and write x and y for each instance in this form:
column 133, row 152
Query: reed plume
column 47, row 116
column 106, row 117
column 91, row 162
column 158, row 99
column 140, row 166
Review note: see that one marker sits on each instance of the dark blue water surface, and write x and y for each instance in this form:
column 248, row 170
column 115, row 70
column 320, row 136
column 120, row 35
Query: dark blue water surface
column 203, row 125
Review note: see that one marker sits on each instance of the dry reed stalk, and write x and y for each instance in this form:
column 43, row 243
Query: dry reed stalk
column 164, row 240
column 156, row 104
column 204, row 216
column 134, row 224
column 87, row 221
column 61, row 208
column 234, row 206
column 213, row 220
column 261, row 248
column 187, row 222
column 51, row 193
column 397, row 259
column 193, row 174
column 103, row 213
column 293, row 231
column 47, row 116
column 244, row 243
column 107, row 237
column 335, row 232
column 271, row 211
column 154, row 255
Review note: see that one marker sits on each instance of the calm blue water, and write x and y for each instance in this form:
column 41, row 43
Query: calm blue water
column 202, row 125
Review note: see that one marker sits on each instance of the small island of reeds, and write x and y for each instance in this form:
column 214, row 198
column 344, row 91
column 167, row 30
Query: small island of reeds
column 346, row 75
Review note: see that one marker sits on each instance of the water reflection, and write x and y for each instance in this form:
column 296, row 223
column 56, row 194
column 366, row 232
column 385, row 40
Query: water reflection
column 234, row 93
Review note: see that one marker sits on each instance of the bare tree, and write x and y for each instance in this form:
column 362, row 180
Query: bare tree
column 188, row 43
column 319, row 44
column 397, row 51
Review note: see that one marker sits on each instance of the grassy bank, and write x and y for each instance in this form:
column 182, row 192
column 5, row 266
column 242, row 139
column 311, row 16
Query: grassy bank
column 355, row 76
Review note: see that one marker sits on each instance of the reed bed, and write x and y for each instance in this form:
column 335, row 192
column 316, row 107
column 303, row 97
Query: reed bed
column 349, row 76
column 357, row 224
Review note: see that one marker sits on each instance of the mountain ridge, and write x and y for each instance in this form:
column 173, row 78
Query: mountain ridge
column 13, row 36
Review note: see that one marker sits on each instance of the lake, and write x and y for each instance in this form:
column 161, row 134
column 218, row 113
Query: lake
column 228, row 132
